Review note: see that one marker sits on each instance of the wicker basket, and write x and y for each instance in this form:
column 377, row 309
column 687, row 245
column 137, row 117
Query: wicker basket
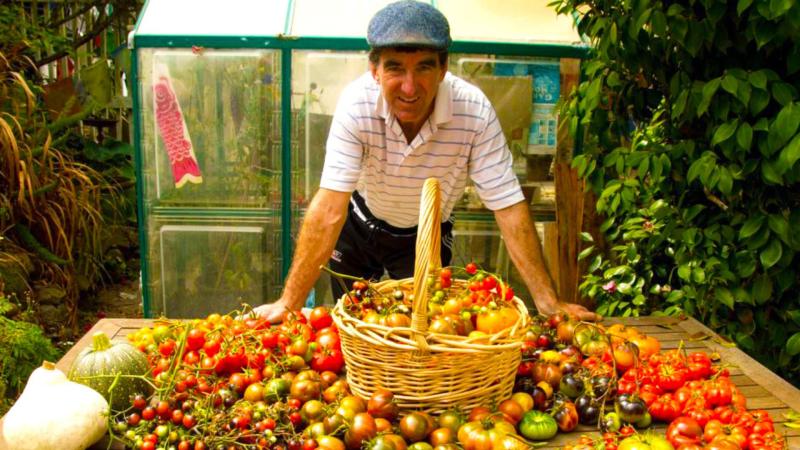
column 428, row 371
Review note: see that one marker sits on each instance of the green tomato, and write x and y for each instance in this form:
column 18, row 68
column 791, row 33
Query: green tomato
column 645, row 441
column 538, row 425
column 611, row 422
column 420, row 446
column 645, row 421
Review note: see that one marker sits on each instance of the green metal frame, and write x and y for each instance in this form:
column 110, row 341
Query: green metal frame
column 287, row 44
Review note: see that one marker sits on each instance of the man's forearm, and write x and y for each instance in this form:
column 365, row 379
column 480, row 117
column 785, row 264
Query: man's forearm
column 522, row 242
column 318, row 235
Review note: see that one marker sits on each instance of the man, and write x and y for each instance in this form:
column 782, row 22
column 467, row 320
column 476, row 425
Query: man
column 406, row 120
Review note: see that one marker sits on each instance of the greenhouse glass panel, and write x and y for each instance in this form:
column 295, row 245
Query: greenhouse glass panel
column 523, row 21
column 322, row 18
column 199, row 266
column 213, row 18
column 211, row 127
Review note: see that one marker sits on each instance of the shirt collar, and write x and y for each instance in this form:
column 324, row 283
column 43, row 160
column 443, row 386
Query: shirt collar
column 443, row 104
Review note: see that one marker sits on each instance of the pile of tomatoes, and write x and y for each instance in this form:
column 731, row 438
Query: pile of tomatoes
column 226, row 383
column 617, row 379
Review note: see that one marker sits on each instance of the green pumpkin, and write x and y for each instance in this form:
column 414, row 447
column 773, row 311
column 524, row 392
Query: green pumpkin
column 101, row 364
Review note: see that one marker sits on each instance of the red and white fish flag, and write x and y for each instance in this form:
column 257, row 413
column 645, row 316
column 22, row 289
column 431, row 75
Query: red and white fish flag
column 174, row 133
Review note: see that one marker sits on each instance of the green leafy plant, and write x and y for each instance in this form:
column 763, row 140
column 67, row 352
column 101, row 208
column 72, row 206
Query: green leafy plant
column 688, row 118
column 23, row 350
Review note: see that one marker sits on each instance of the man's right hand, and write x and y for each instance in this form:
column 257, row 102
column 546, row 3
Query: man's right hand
column 273, row 312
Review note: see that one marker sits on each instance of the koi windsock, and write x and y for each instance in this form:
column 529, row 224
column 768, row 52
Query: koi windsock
column 174, row 133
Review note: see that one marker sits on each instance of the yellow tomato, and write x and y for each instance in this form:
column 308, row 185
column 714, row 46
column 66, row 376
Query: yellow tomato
column 495, row 320
column 524, row 399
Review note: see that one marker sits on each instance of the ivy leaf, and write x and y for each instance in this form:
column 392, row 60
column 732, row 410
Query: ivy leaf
column 762, row 289
column 793, row 344
column 724, row 296
column 695, row 169
column 709, row 89
column 744, row 136
column 772, row 254
column 758, row 79
column 685, row 272
column 724, row 132
column 730, row 84
column 785, row 125
column 769, row 172
column 725, row 184
column 659, row 23
column 585, row 252
column 790, row 154
column 743, row 4
column 779, row 226
column 782, row 93
column 596, row 262
column 758, row 101
column 750, row 227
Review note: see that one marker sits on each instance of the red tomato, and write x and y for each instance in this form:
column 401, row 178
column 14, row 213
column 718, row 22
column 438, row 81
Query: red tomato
column 327, row 359
column 670, row 377
column 665, row 408
column 684, row 431
column 320, row 317
column 195, row 339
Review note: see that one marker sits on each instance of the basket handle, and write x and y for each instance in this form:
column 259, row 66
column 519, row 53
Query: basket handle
column 428, row 257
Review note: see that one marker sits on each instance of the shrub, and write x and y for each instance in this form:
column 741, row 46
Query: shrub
column 689, row 119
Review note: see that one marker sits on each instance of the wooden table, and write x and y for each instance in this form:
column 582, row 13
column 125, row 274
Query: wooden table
column 763, row 389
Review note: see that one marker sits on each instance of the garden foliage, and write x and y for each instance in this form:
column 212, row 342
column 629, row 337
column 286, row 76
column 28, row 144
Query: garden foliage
column 688, row 117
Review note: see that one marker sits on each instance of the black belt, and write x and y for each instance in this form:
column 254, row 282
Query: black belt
column 360, row 210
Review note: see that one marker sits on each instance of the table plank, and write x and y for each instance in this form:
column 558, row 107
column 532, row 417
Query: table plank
column 763, row 388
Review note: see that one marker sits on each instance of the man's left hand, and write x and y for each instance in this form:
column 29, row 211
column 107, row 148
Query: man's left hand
column 573, row 309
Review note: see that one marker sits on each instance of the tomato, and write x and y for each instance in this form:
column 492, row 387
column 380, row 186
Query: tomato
column 766, row 441
column 665, row 408
column 320, row 317
column 480, row 435
column 715, row 429
column 524, row 399
column 254, row 392
column 414, row 427
column 645, row 441
column 590, row 339
column 547, row 372
column 718, row 392
column 452, row 418
column 327, row 359
column 566, row 415
column 684, row 431
column 670, row 377
column 471, row 268
column 630, row 408
column 722, row 444
column 647, row 345
column 538, row 426
column 511, row 410
column 362, row 428
column 330, row 443
column 624, row 356
column 381, row 404
column 495, row 320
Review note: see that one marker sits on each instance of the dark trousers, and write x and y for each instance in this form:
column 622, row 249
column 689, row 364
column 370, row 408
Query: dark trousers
column 367, row 246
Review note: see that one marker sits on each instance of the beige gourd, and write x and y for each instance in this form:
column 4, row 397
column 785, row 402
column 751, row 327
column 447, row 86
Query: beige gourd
column 54, row 413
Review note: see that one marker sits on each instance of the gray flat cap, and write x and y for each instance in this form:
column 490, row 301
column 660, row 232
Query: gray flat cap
column 409, row 23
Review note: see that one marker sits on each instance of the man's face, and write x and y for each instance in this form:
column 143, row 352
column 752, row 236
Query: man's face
column 409, row 82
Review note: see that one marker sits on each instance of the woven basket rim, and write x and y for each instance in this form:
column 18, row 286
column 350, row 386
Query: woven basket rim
column 402, row 338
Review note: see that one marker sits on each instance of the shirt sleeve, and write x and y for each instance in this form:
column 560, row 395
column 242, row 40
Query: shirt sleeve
column 344, row 149
column 490, row 165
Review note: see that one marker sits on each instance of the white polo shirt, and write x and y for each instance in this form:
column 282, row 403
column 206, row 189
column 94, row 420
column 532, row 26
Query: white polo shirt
column 367, row 151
